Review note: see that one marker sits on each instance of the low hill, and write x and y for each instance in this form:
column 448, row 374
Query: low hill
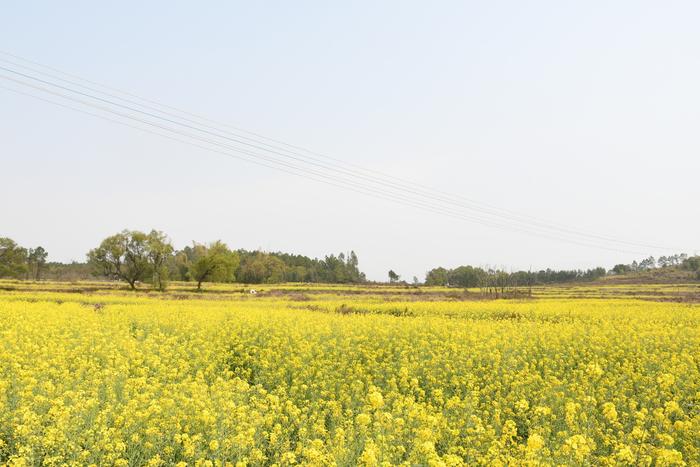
column 668, row 275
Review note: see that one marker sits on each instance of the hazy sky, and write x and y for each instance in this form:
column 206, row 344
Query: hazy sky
column 583, row 113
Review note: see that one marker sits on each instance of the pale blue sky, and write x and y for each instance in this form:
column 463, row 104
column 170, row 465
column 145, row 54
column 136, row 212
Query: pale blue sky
column 584, row 113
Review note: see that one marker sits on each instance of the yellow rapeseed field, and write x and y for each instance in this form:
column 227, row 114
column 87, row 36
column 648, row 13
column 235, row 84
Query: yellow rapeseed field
column 337, row 379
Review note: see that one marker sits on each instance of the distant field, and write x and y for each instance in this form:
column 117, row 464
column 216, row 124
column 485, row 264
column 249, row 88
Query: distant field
column 294, row 374
column 682, row 292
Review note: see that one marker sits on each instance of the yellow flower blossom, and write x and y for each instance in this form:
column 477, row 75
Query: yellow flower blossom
column 609, row 412
column 535, row 442
column 579, row 446
column 291, row 378
column 376, row 399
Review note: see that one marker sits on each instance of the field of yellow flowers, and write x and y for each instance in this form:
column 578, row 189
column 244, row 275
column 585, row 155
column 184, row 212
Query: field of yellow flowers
column 284, row 379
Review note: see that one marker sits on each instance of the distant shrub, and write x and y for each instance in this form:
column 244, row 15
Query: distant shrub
column 692, row 263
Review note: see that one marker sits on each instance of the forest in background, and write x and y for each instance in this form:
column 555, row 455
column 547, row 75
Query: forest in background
column 137, row 257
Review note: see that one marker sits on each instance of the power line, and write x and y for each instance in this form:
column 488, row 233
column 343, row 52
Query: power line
column 488, row 210
column 416, row 189
column 390, row 196
column 321, row 180
column 381, row 190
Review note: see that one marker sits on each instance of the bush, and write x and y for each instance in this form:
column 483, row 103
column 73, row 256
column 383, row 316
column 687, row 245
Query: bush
column 692, row 263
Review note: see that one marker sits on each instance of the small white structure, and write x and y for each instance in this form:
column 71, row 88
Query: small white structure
column 253, row 291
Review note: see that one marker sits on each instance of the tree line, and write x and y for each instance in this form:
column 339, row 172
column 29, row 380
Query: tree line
column 136, row 257
column 469, row 276
column 20, row 262
column 650, row 262
column 681, row 261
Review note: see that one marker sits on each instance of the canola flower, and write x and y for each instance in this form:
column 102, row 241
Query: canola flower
column 145, row 380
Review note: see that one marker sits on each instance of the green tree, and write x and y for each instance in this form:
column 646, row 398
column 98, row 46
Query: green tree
column 179, row 264
column 692, row 263
column 621, row 269
column 393, row 277
column 36, row 260
column 259, row 267
column 124, row 256
column 262, row 268
column 159, row 251
column 12, row 258
column 296, row 274
column 212, row 263
column 466, row 276
column 437, row 276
